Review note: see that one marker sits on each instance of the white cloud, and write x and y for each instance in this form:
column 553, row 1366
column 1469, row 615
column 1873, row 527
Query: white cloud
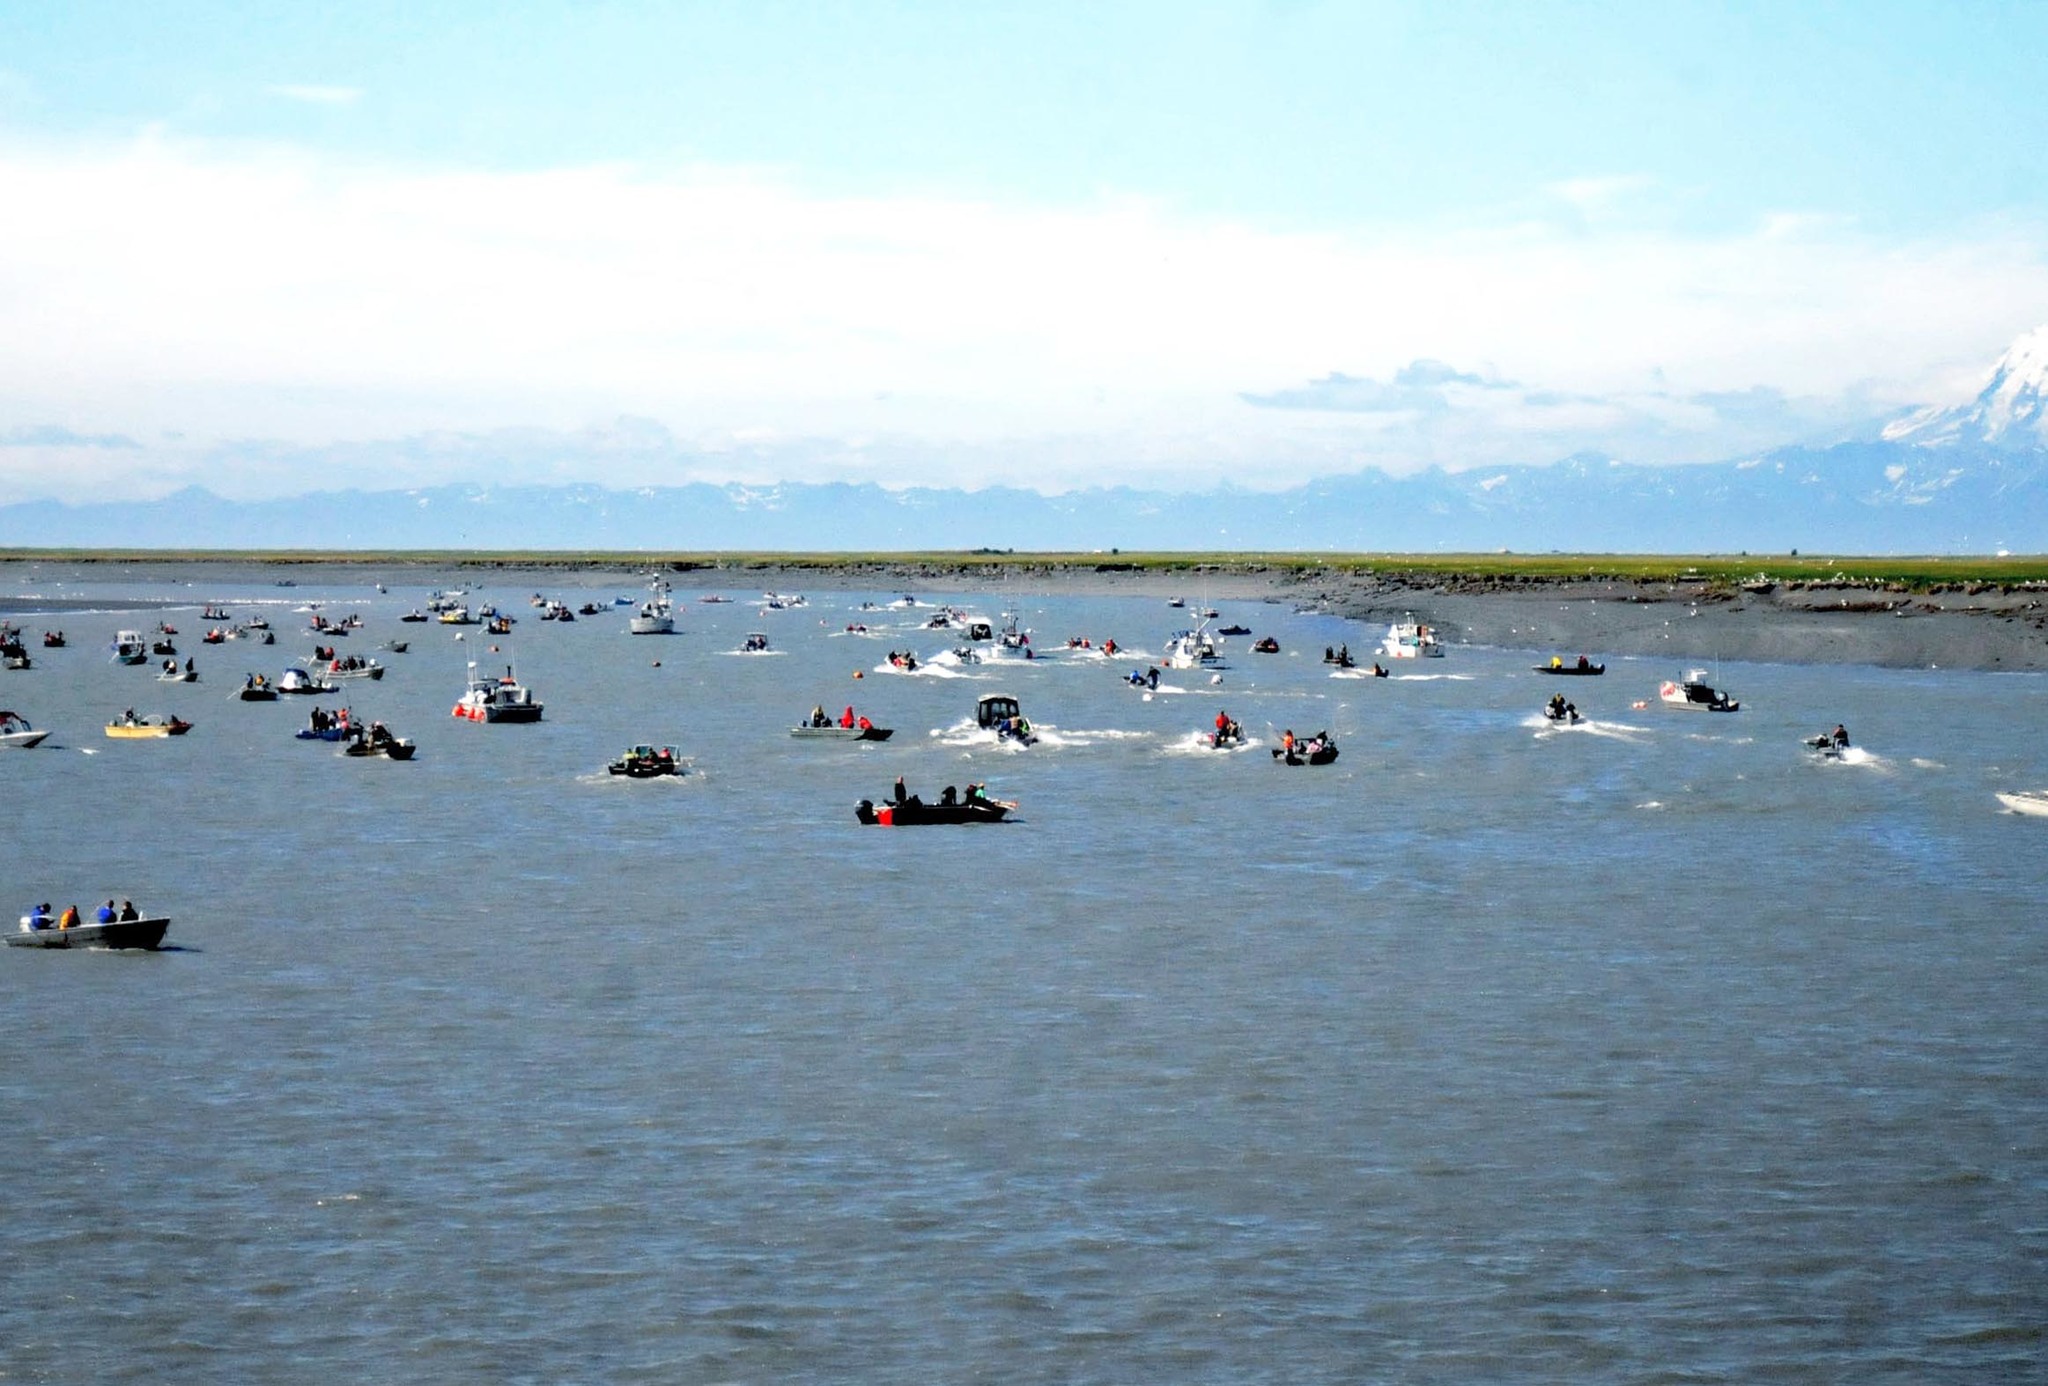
column 238, row 291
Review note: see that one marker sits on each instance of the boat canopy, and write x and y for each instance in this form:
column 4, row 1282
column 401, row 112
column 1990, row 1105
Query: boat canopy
column 992, row 708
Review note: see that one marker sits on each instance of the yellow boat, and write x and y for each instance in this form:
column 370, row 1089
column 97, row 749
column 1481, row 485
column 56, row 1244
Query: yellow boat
column 133, row 726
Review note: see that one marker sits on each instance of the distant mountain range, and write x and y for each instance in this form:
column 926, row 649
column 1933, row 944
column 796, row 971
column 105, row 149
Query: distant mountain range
column 1967, row 479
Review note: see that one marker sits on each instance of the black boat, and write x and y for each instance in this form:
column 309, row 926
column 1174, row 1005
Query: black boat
column 647, row 762
column 1235, row 630
column 1316, row 750
column 1583, row 666
column 121, row 933
column 913, row 812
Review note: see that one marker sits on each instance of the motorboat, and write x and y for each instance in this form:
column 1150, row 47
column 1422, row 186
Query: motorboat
column 1011, row 642
column 171, row 673
column 256, row 688
column 1193, row 649
column 1695, row 694
column 414, row 616
column 130, row 648
column 755, row 643
column 43, row 932
column 1319, row 749
column 397, row 646
column 53, row 639
column 1581, row 666
column 1266, row 645
column 304, row 681
column 501, row 699
column 16, row 732
column 657, row 615
column 1227, row 737
column 2032, row 802
column 646, row 762
column 214, row 612
column 1411, row 639
column 908, row 811
column 13, row 654
column 1233, row 630
column 458, row 615
column 1558, row 710
column 129, row 727
column 499, row 625
column 783, row 601
column 1001, row 714
column 859, row 729
column 379, row 741
column 334, row 666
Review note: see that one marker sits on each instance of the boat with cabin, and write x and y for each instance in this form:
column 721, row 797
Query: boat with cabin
column 1003, row 715
column 1694, row 694
column 1411, row 639
column 499, row 699
column 130, row 648
column 657, row 615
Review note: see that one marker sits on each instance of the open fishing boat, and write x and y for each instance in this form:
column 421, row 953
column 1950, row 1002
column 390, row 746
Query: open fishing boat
column 647, row 762
column 909, row 811
column 1581, row 666
column 130, row 727
column 1319, row 749
column 119, row 933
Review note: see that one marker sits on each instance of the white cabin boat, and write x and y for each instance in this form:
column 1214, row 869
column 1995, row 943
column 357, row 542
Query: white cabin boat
column 657, row 615
column 130, row 647
column 1410, row 639
column 500, row 699
column 1695, row 694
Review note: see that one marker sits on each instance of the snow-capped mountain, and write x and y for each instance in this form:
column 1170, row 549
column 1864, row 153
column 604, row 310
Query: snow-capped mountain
column 2008, row 411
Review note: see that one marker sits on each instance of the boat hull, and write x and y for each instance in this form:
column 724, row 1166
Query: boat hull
column 843, row 733
column 21, row 741
column 138, row 731
column 124, row 933
column 916, row 814
column 2034, row 805
column 1589, row 671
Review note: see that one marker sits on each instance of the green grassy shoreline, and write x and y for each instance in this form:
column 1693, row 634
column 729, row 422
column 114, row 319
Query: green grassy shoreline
column 1922, row 573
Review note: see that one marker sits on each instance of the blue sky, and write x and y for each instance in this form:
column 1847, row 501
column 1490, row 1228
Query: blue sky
column 1167, row 244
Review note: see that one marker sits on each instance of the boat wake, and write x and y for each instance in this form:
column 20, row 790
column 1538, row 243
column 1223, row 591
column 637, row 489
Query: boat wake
column 1197, row 744
column 929, row 669
column 1585, row 726
column 1856, row 755
column 1430, row 678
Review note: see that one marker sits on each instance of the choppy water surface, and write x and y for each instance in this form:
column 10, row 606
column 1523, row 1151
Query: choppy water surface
column 1648, row 1050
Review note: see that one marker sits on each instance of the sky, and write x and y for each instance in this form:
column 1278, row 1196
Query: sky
column 274, row 248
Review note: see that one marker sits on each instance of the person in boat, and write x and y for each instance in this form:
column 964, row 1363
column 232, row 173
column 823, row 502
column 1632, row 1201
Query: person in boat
column 1554, row 710
column 902, row 796
column 1109, row 647
column 948, row 797
column 1287, row 741
column 1329, row 655
column 128, row 718
column 1344, row 655
column 39, row 916
column 1222, row 725
column 1152, row 678
column 1585, row 663
column 864, row 724
column 128, row 912
column 818, row 715
column 846, row 719
column 1378, row 672
column 1557, row 661
column 68, row 919
column 106, row 913
column 1839, row 737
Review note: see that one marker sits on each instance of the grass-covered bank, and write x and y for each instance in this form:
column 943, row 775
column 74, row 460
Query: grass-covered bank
column 1903, row 573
